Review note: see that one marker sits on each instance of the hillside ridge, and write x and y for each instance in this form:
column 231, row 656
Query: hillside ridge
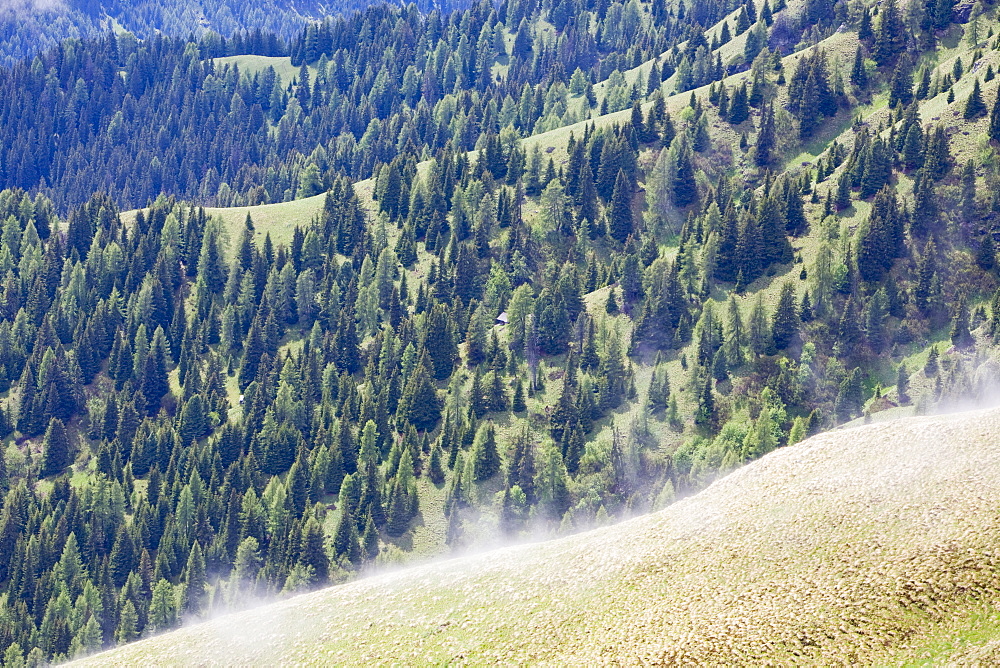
column 737, row 573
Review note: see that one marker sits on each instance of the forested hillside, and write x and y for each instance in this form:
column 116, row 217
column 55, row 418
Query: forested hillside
column 28, row 26
column 527, row 268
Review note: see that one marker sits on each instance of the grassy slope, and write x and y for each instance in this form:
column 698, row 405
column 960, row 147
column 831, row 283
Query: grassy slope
column 874, row 545
column 251, row 65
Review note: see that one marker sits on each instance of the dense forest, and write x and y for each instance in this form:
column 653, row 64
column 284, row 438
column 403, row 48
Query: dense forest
column 495, row 325
column 29, row 26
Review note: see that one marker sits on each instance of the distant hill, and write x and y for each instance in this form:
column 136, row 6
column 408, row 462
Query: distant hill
column 29, row 26
column 862, row 546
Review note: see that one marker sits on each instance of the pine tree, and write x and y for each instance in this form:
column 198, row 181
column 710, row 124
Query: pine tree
column 739, row 107
column 994, row 129
column 154, row 373
column 785, row 324
column 859, row 75
column 420, row 404
column 55, row 448
column 705, row 415
column 685, row 190
column 517, row 403
column 850, row 396
column 195, row 581
column 902, row 384
column 960, row 335
column 931, row 365
column 346, row 545
column 486, row 459
column 766, row 138
column 890, row 36
column 621, row 209
column 313, row 551
column 974, row 105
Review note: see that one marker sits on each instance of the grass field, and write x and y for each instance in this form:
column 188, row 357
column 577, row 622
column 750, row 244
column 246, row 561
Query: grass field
column 251, row 65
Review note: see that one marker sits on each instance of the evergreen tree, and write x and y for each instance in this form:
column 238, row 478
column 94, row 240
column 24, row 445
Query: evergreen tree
column 890, row 35
column 195, row 582
column 621, row 209
column 739, row 108
column 486, row 459
column 346, row 545
column 55, row 449
column 785, row 324
column 766, row 138
column 685, row 190
column 994, row 128
column 902, row 384
column 960, row 335
column 974, row 105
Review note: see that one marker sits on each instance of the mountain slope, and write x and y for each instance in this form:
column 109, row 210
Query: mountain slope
column 861, row 545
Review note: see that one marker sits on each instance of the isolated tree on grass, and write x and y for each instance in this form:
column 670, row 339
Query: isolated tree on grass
column 974, row 105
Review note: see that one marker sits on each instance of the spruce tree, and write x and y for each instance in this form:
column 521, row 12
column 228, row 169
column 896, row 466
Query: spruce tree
column 195, row 581
column 705, row 414
column 346, row 545
column 766, row 138
column 994, row 128
column 55, row 448
column 685, row 190
column 974, row 105
column 902, row 384
column 785, row 323
column 739, row 107
column 960, row 335
column 486, row 459
column 621, row 209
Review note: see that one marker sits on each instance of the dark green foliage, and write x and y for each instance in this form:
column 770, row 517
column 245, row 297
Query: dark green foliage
column 974, row 105
column 785, row 323
column 739, row 108
column 850, row 396
column 890, row 34
column 621, row 222
column 55, row 449
column 486, row 459
column 960, row 335
column 902, row 384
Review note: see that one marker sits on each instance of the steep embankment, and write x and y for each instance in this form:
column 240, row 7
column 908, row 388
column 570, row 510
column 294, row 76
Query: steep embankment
column 874, row 544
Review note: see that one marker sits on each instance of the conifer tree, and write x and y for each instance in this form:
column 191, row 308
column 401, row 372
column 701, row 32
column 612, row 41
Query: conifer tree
column 55, row 448
column 766, row 138
column 346, row 546
column 960, row 335
column 705, row 415
column 974, row 105
column 486, row 459
column 890, row 35
column 621, row 209
column 785, row 323
column 859, row 75
column 994, row 127
column 195, row 581
column 902, row 384
column 739, row 108
column 685, row 190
